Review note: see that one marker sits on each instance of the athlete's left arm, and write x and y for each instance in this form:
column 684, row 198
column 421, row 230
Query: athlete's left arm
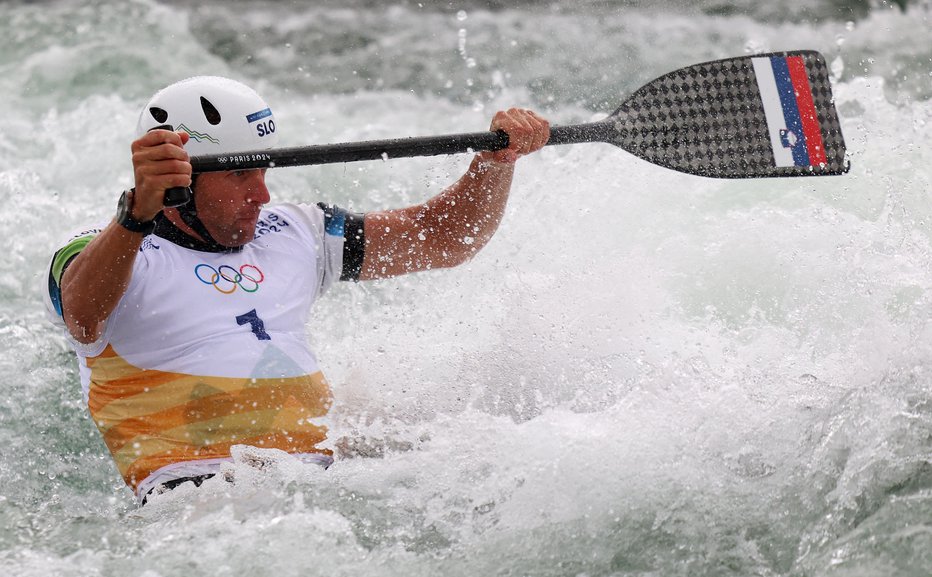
column 450, row 228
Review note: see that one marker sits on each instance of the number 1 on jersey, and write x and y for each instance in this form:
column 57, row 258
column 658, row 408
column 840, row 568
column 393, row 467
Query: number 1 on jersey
column 255, row 323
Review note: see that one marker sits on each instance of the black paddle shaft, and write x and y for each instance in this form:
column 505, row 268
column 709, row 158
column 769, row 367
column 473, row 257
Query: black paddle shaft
column 715, row 119
column 392, row 148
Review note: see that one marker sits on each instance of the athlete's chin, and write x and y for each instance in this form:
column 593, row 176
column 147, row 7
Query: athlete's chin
column 241, row 238
column 242, row 235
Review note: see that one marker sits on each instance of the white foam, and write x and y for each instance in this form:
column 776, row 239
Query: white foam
column 644, row 372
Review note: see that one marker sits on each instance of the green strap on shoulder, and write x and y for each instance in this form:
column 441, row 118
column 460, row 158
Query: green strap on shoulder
column 66, row 253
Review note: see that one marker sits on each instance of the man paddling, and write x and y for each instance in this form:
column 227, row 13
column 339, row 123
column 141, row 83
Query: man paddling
column 189, row 323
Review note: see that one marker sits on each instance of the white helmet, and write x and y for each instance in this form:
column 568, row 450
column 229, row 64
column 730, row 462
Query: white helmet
column 220, row 114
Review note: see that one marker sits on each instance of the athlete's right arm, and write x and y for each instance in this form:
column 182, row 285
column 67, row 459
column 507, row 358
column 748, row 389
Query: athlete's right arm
column 95, row 280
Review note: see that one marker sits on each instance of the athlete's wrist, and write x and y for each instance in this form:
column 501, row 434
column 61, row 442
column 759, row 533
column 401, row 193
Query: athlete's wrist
column 127, row 218
column 146, row 204
column 489, row 158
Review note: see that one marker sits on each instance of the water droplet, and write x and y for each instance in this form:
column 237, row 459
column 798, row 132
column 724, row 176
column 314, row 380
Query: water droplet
column 837, row 67
column 462, row 15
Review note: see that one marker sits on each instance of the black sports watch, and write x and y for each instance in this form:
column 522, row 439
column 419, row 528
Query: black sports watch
column 124, row 216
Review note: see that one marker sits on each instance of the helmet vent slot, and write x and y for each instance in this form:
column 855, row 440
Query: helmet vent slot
column 210, row 111
column 159, row 114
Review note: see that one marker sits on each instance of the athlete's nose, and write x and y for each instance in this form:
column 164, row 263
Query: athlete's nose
column 258, row 193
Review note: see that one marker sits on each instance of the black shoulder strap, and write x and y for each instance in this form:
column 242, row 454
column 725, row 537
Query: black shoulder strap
column 352, row 226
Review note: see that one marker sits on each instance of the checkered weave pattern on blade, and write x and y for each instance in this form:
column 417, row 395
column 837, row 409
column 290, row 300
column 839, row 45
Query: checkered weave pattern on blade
column 709, row 120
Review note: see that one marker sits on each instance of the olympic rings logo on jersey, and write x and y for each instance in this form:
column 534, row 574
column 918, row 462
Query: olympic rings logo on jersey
column 227, row 279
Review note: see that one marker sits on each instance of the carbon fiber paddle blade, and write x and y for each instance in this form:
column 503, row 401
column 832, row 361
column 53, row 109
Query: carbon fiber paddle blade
column 768, row 115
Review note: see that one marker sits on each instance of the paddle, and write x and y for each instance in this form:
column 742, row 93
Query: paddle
column 770, row 115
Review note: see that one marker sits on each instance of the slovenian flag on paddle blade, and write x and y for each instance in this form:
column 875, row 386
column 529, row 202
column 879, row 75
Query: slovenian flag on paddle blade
column 794, row 128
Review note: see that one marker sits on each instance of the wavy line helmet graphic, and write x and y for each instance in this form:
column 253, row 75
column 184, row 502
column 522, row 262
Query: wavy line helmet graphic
column 198, row 136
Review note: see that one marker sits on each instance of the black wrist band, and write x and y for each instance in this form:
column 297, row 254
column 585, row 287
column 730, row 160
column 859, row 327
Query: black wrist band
column 125, row 217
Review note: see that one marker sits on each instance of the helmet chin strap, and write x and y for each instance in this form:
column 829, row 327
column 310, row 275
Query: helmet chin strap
column 188, row 213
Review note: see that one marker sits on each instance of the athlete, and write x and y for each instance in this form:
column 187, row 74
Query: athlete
column 189, row 322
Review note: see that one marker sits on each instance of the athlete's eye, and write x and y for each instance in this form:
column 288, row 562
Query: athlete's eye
column 246, row 172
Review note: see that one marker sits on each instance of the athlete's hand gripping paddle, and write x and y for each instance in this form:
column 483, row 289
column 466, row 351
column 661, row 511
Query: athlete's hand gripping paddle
column 180, row 194
column 770, row 115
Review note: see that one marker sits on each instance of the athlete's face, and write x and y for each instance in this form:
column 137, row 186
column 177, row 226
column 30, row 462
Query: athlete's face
column 228, row 204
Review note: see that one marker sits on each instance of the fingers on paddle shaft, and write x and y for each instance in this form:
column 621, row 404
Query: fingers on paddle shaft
column 770, row 115
column 178, row 195
column 525, row 130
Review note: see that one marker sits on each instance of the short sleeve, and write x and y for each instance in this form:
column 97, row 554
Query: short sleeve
column 337, row 236
column 350, row 227
column 56, row 269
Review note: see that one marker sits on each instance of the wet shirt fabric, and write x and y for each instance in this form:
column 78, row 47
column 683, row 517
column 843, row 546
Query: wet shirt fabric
column 210, row 350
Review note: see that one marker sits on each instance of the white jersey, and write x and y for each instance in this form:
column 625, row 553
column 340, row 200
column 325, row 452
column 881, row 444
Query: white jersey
column 206, row 350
